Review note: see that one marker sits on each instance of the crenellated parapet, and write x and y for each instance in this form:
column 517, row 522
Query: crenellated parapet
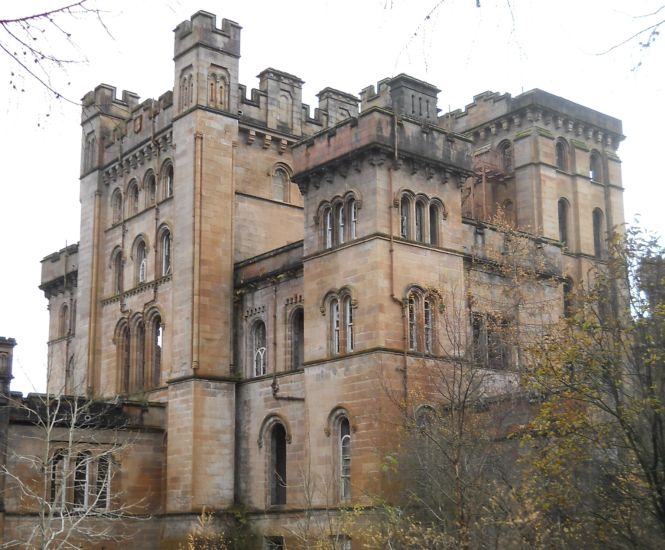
column 113, row 125
column 493, row 115
column 405, row 96
column 59, row 270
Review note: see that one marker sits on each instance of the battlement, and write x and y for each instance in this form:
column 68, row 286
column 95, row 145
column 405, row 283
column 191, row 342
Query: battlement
column 59, row 269
column 405, row 96
column 103, row 100
column 202, row 29
column 535, row 106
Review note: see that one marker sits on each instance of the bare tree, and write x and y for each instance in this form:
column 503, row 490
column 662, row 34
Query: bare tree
column 40, row 47
column 62, row 466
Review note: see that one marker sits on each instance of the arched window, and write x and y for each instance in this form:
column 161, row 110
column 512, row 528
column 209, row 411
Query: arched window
column 116, row 206
column 124, row 359
column 567, row 297
column 151, row 188
column 278, row 465
column 563, row 208
column 157, row 335
column 132, row 199
column 259, row 348
column 420, row 220
column 344, row 458
column 434, row 214
column 165, row 253
column 405, row 217
column 506, row 156
column 598, row 232
column 353, row 214
column 595, row 170
column 285, row 109
column 428, row 328
column 328, row 227
column 490, row 345
column 280, row 185
column 58, row 492
column 413, row 323
column 334, row 321
column 103, row 485
column 167, row 180
column 348, row 323
column 561, row 154
column 81, row 480
column 141, row 262
column 63, row 321
column 297, row 338
column 420, row 311
column 340, row 218
column 140, row 355
column 116, row 266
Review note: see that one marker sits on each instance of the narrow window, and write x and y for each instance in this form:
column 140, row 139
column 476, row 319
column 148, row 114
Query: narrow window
column 141, row 263
column 157, row 346
column 58, row 477
column 405, row 217
column 427, row 325
column 348, row 323
column 125, row 359
column 413, row 323
column 506, row 154
column 151, row 186
column 597, row 232
column 168, row 181
column 278, row 465
column 479, row 342
column 103, row 485
column 341, row 223
column 259, row 347
column 280, row 182
column 420, row 215
column 63, row 322
column 353, row 214
column 328, row 227
column 563, row 221
column 297, row 339
column 497, row 349
column 334, row 319
column 434, row 224
column 140, row 356
column 133, row 199
column 117, row 272
column 561, row 156
column 345, row 458
column 594, row 167
column 166, row 253
column 116, row 206
column 81, row 478
column 567, row 297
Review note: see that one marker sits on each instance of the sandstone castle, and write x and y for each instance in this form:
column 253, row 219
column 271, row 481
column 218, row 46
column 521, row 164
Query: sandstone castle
column 252, row 274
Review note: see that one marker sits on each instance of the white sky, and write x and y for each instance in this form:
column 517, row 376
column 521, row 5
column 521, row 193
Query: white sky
column 462, row 49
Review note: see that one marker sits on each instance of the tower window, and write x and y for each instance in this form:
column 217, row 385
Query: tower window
column 344, row 458
column 297, row 339
column 597, row 232
column 278, row 465
column 563, row 210
column 595, row 172
column 561, row 153
column 259, row 348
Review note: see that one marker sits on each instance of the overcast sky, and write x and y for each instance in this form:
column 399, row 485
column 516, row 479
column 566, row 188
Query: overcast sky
column 503, row 45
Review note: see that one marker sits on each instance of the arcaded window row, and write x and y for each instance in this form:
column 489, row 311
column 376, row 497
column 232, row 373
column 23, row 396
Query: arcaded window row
column 137, row 195
column 139, row 342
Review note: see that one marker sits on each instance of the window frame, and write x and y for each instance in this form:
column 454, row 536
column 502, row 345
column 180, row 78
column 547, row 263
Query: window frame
column 259, row 335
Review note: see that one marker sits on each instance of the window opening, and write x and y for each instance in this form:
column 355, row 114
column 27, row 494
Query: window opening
column 166, row 253
column 428, row 326
column 103, row 486
column 81, row 478
column 353, row 208
column 434, row 224
column 278, row 465
column 259, row 336
column 345, row 458
column 168, row 181
column 563, row 221
column 328, row 227
column 126, row 361
column 594, row 167
column 348, row 323
column 405, row 205
column 341, row 222
column 561, row 156
column 597, row 232
column 58, row 485
column 420, row 214
column 413, row 327
column 298, row 339
column 141, row 262
column 157, row 345
column 334, row 315
column 140, row 355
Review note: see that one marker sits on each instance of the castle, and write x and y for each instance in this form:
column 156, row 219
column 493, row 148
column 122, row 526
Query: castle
column 249, row 276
